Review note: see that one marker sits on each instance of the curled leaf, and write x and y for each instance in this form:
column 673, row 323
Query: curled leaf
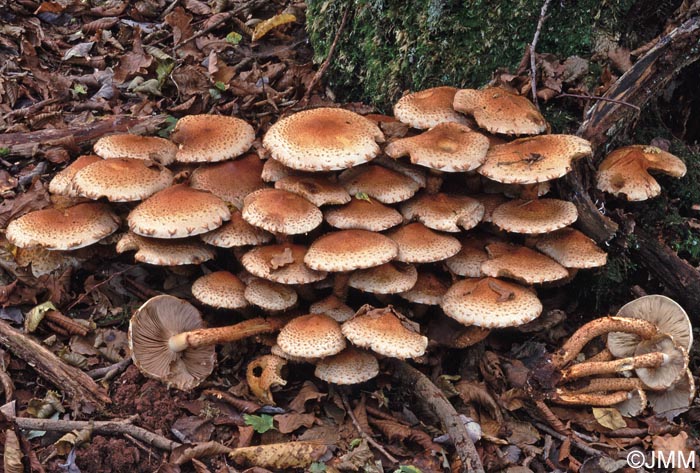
column 36, row 315
column 609, row 417
column 264, row 27
column 264, row 373
column 71, row 440
column 12, row 454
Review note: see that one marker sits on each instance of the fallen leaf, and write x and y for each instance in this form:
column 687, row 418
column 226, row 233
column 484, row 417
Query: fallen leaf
column 12, row 454
column 263, row 374
column 264, row 27
column 609, row 417
column 288, row 423
column 280, row 455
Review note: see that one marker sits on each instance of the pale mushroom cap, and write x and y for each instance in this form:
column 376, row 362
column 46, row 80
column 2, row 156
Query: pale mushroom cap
column 333, row 307
column 389, row 278
column 534, row 159
column 419, row 244
column 448, row 147
column 522, row 264
column 490, row 303
column 283, row 263
column 121, row 179
column 316, row 189
column 444, row 212
column 350, row 366
column 380, row 183
column 671, row 371
column 270, row 295
column 572, row 249
column 311, row 336
column 165, row 252
column 428, row 108
column 273, row 171
column 231, row 181
column 626, row 171
column 633, row 406
column 220, row 289
column 499, row 111
column 280, row 211
column 429, row 289
column 150, row 330
column 236, row 232
column 490, row 202
column 363, row 214
column 469, row 259
column 65, row 229
column 676, row 400
column 407, row 169
column 347, row 250
column 323, row 139
column 177, row 212
column 62, row 182
column 126, row 145
column 534, row 216
column 211, row 138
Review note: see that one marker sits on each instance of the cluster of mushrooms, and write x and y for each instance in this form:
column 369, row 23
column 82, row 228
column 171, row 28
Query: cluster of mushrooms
column 332, row 208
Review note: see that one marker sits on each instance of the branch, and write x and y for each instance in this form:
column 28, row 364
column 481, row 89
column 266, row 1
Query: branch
column 533, row 45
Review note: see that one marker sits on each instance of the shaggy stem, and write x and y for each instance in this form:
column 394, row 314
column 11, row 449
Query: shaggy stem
column 581, row 370
column 597, row 385
column 593, row 399
column 231, row 333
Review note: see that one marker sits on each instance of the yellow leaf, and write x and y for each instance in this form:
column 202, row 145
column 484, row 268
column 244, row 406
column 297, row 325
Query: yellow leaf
column 280, row 455
column 264, row 27
column 609, row 417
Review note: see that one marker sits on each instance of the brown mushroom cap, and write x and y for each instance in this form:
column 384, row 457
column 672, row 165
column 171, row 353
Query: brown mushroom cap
column 626, row 171
column 347, row 250
column 490, row 202
column 388, row 278
column 311, row 336
column 363, row 215
column 65, row 229
column 236, row 232
column 316, row 189
column 444, row 212
column 500, row 111
column 407, row 169
column 571, row 249
column 165, row 252
column 62, row 182
column 270, row 295
column 150, row 330
column 211, row 138
column 490, row 303
column 676, row 400
column 177, row 212
column 273, row 171
column 671, row 371
column 283, row 263
column 469, row 259
column 522, row 264
column 428, row 108
column 380, row 183
column 350, row 366
column 121, row 179
column 323, row 139
column 534, row 216
column 449, row 147
column 220, row 289
column 126, row 145
column 333, row 307
column 280, row 211
column 429, row 289
column 534, row 159
column 231, row 181
column 419, row 244
column 44, row 261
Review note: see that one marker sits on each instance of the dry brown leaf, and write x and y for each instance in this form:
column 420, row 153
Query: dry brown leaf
column 72, row 440
column 288, row 423
column 185, row 453
column 675, row 447
column 609, row 417
column 264, row 27
column 35, row 198
column 12, row 454
column 280, row 455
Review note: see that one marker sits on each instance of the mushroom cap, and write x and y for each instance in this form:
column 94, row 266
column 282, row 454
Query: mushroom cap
column 270, row 295
column 499, row 111
column 429, row 289
column 273, row 171
column 62, row 182
column 177, row 212
column 121, row 179
column 419, row 244
column 662, row 311
column 386, row 332
column 333, row 307
column 283, row 263
column 522, row 264
column 126, row 145
column 318, row 190
column 311, row 336
column 449, row 147
column 350, row 366
column 407, row 169
column 65, row 229
column 388, row 278
column 363, row 214
column 277, row 351
column 490, row 202
column 347, row 250
column 491, row 303
column 676, row 400
column 211, row 138
column 572, row 249
column 633, row 406
column 534, row 216
column 626, row 171
column 671, row 371
column 444, row 212
column 231, row 181
column 220, row 289
column 280, row 211
column 469, row 259
column 323, row 139
column 150, row 330
column 428, row 108
column 534, row 159
column 165, row 252
column 236, row 232
column 378, row 182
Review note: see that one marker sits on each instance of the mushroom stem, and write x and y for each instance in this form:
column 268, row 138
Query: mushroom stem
column 340, row 285
column 581, row 370
column 598, row 327
column 434, row 181
column 597, row 385
column 231, row 333
column 603, row 355
column 593, row 399
column 529, row 191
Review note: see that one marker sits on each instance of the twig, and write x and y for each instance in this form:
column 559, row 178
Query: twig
column 364, row 434
column 533, row 45
column 551, row 418
column 242, row 405
column 604, row 99
column 111, row 370
column 222, row 19
column 170, row 8
column 101, row 283
column 32, row 109
column 576, row 443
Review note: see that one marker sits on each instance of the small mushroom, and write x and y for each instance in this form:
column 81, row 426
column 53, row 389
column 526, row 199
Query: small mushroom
column 363, row 214
column 281, row 212
column 220, row 289
column 160, row 252
column 534, row 216
column 311, row 336
column 350, row 366
column 378, row 182
column 428, row 108
column 419, row 244
column 211, row 138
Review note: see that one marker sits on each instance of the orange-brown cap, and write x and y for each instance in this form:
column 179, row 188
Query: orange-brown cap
column 428, row 108
column 469, row 259
column 429, row 289
column 388, row 278
column 231, row 181
column 534, row 216
column 419, row 244
column 333, row 307
column 311, row 336
column 280, row 211
column 273, row 171
column 220, row 289
column 350, row 366
column 270, row 295
column 363, row 214
column 211, row 138
column 62, row 182
column 236, row 232
column 121, row 179
column 444, row 212
column 318, row 190
column 165, row 252
column 499, row 111
column 522, row 264
column 380, row 183
column 126, row 145
column 490, row 202
column 346, row 250
column 571, row 249
column 283, row 263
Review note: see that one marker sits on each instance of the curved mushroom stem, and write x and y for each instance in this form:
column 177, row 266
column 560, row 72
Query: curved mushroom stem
column 212, row 336
column 598, row 327
column 581, row 370
column 603, row 355
column 597, row 385
column 593, row 399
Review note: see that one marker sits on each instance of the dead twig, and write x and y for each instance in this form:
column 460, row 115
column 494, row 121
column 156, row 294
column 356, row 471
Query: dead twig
column 604, row 99
column 551, row 418
column 99, row 284
column 31, row 109
column 362, row 432
column 574, row 442
column 533, row 57
column 242, row 405
column 110, row 371
column 218, row 22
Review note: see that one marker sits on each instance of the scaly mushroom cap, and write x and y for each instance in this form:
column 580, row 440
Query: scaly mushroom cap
column 386, row 332
column 534, row 216
column 419, row 244
column 676, row 400
column 626, row 171
column 571, row 249
column 270, row 295
column 407, row 169
column 350, row 366
column 283, row 263
column 444, row 212
column 65, row 229
column 44, row 261
column 671, row 371
column 522, row 264
column 490, row 202
column 534, row 159
column 311, row 336
column 428, row 108
column 363, row 214
column 500, row 111
column 236, row 232
column 333, row 307
column 280, row 211
column 62, row 182
column 165, row 252
column 347, row 250
column 380, row 183
column 469, row 259
column 150, row 330
column 389, row 278
column 316, row 189
column 448, row 147
column 220, row 289
column 429, row 289
column 177, row 212
column 121, row 179
column 323, row 139
column 491, row 303
column 126, row 145
column 211, row 138
column 231, row 181
column 273, row 171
